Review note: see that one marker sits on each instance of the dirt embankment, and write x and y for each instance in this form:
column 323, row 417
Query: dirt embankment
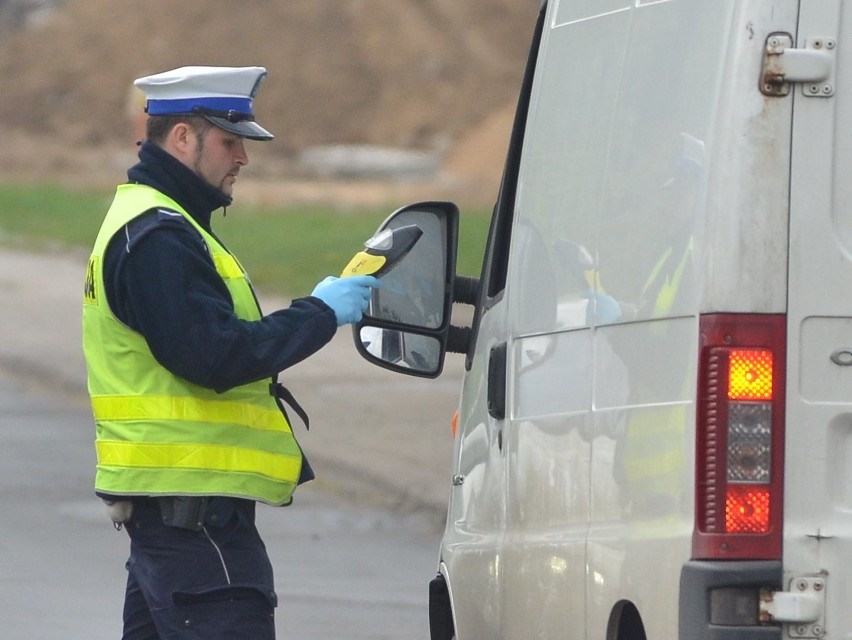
column 437, row 76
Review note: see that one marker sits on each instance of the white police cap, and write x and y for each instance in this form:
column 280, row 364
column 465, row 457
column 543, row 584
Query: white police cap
column 223, row 95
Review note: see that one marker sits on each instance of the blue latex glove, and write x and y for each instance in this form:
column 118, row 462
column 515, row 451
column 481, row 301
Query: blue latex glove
column 601, row 309
column 347, row 297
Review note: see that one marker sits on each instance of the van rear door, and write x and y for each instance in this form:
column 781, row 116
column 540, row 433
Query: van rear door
column 818, row 466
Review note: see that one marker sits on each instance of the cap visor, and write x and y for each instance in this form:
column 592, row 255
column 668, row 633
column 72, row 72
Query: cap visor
column 244, row 128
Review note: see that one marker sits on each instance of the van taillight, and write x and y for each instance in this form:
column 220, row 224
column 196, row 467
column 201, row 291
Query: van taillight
column 740, row 437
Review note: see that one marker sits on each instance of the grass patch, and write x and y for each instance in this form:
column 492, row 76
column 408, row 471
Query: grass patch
column 285, row 250
column 38, row 216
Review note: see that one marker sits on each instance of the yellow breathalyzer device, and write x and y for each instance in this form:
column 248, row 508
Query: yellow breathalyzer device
column 383, row 251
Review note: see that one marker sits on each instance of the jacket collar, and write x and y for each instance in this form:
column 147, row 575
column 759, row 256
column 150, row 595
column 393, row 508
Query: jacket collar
column 160, row 170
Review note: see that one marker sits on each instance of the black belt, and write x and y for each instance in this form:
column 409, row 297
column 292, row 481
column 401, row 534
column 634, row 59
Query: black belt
column 190, row 512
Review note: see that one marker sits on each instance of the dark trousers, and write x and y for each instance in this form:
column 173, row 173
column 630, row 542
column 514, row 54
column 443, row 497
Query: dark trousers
column 213, row 583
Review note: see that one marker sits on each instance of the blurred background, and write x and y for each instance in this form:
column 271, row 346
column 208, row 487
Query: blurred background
column 369, row 99
column 374, row 104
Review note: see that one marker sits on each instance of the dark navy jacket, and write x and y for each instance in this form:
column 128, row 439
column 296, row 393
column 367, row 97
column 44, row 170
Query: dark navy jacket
column 160, row 281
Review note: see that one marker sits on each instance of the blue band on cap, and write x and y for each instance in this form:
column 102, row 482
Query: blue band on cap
column 186, row 105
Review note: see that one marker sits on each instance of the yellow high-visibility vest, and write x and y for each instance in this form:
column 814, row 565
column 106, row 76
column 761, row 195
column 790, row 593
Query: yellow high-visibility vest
column 655, row 457
column 158, row 434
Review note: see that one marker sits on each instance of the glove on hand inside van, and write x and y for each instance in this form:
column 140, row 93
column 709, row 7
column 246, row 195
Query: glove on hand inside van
column 601, row 308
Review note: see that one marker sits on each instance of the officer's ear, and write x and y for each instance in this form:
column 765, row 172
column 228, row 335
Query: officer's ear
column 181, row 133
column 181, row 142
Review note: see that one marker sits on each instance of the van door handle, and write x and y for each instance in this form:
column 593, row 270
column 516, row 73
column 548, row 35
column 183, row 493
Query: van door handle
column 497, row 382
column 842, row 357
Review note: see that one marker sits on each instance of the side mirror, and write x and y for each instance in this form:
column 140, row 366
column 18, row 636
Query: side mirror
column 406, row 327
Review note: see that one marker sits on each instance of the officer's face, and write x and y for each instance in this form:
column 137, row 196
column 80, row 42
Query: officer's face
column 219, row 155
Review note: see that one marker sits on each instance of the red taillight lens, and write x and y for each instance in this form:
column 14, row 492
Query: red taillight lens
column 747, row 510
column 739, row 437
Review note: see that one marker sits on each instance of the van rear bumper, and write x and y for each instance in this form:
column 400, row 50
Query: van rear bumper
column 703, row 585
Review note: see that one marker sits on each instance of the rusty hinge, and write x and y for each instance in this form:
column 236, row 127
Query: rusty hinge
column 801, row 609
column 812, row 66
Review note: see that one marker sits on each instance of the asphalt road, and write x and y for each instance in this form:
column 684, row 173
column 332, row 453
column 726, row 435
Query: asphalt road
column 342, row 571
column 353, row 555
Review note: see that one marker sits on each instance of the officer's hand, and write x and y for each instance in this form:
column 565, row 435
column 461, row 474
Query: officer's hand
column 348, row 297
column 601, row 308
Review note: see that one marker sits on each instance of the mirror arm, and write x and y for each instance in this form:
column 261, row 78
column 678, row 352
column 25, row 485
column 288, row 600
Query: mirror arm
column 458, row 339
column 466, row 290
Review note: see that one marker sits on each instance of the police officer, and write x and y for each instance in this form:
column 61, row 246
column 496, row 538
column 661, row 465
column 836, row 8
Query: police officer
column 182, row 367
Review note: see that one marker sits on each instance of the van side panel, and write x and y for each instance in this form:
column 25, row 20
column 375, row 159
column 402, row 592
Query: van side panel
column 604, row 313
column 652, row 189
column 547, row 445
column 716, row 227
column 471, row 548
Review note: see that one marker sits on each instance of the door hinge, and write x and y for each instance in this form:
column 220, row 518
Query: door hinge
column 801, row 609
column 811, row 66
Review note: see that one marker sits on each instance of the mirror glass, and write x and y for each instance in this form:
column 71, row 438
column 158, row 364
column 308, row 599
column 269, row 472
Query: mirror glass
column 402, row 348
column 412, row 291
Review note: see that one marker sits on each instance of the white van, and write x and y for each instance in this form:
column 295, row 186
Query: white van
column 655, row 428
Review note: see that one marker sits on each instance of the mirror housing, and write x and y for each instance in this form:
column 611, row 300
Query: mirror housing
column 407, row 325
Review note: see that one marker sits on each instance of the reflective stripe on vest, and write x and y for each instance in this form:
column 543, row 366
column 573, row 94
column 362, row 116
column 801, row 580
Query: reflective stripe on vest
column 195, row 456
column 158, row 434
column 137, row 408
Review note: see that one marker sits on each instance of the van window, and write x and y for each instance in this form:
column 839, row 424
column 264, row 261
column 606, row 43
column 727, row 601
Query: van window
column 611, row 186
column 564, row 177
column 496, row 261
column 654, row 198
column 570, row 11
column 498, row 249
